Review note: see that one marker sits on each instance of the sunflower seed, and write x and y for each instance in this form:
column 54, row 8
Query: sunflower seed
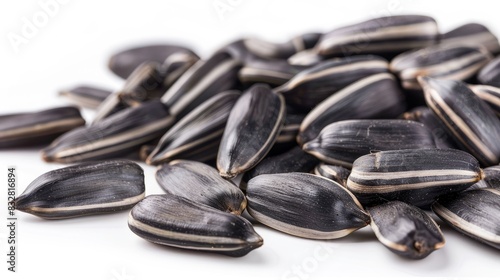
column 199, row 131
column 304, row 205
column 276, row 72
column 305, row 58
column 385, row 36
column 203, row 80
column 202, row 184
column 336, row 173
column 175, row 65
column 86, row 96
column 473, row 34
column 416, row 177
column 469, row 119
column 444, row 62
column 490, row 74
column 86, row 189
column 254, row 124
column 145, row 151
column 405, row 229
column 270, row 50
column 31, row 129
column 289, row 131
column 341, row 143
column 124, row 62
column 315, row 84
column 178, row 222
column 374, row 97
column 489, row 94
column 294, row 160
column 116, row 135
column 474, row 213
column 424, row 115
column 491, row 177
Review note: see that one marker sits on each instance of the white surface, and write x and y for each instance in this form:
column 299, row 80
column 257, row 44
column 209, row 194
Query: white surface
column 73, row 48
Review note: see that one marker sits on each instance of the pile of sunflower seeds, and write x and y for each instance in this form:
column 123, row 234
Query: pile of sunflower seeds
column 375, row 124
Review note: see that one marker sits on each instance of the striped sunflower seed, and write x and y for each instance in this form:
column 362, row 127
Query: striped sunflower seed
column 146, row 82
column 305, row 58
column 85, row 189
column 199, row 132
column 293, row 160
column 489, row 94
column 384, row 36
column 491, row 178
column 315, row 84
column 202, row 184
column 474, row 213
column 335, row 173
column 86, row 96
column 468, row 119
column 417, row 177
column 178, row 222
column 254, row 124
column 126, row 61
column 473, row 34
column 304, row 205
column 276, row 72
column 200, row 82
column 31, row 129
column 115, row 135
column 422, row 114
column 405, row 229
column 490, row 74
column 288, row 133
column 270, row 50
column 375, row 97
column 175, row 65
column 341, row 143
column 445, row 62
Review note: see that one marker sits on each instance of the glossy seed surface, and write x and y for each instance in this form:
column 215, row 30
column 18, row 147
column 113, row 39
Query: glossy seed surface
column 474, row 213
column 405, row 230
column 335, row 173
column 85, row 189
column 124, row 62
column 471, row 122
column 313, row 85
column 471, row 34
column 114, row 136
column 36, row 128
column 444, row 62
column 200, row 183
column 341, row 143
column 198, row 132
column 385, row 36
column 375, row 97
column 304, row 205
column 86, row 96
column 417, row 177
column 178, row 222
column 253, row 126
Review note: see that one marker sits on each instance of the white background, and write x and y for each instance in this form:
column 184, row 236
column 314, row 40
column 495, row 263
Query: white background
column 73, row 46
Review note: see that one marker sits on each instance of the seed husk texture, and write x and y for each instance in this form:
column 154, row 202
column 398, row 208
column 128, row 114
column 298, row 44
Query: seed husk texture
column 385, row 36
column 405, row 229
column 253, row 126
column 197, row 132
column 417, row 177
column 443, row 62
column 113, row 136
column 86, row 96
column 471, row 122
column 85, row 189
column 35, row 128
column 475, row 213
column 375, row 97
column 335, row 173
column 304, row 205
column 200, row 183
column 341, row 143
column 489, row 94
column 124, row 62
column 178, row 222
